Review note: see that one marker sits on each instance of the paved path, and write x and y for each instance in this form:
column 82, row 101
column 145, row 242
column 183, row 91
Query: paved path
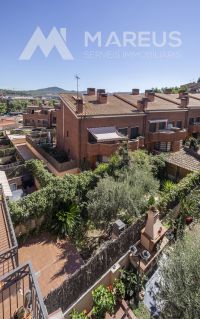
column 25, row 152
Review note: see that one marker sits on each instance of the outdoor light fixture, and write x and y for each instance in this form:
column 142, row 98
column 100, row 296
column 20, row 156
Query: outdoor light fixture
column 134, row 250
column 145, row 255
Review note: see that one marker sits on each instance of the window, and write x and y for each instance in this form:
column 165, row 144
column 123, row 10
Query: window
column 152, row 127
column 179, row 124
column 191, row 121
column 171, row 124
column 163, row 146
column 162, row 125
column 32, row 111
column 54, row 120
column 123, row 131
column 134, row 132
column 198, row 119
column 67, row 133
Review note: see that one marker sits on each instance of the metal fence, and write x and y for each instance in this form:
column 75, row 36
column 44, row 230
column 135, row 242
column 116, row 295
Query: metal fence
column 19, row 293
column 9, row 255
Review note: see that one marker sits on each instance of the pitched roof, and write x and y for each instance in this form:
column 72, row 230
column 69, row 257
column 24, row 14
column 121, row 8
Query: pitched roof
column 114, row 106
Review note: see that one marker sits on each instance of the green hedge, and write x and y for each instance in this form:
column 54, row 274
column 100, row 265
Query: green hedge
column 179, row 191
column 37, row 168
column 7, row 151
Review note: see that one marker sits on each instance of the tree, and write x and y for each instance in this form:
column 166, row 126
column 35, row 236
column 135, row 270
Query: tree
column 179, row 286
column 124, row 197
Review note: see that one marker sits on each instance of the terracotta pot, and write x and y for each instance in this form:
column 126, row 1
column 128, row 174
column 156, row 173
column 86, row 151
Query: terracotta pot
column 188, row 220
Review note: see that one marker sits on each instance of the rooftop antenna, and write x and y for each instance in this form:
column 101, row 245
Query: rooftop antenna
column 77, row 79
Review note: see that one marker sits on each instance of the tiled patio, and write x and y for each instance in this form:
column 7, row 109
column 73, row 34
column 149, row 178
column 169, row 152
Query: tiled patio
column 53, row 260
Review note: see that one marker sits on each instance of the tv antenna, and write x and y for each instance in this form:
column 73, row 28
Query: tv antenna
column 77, row 79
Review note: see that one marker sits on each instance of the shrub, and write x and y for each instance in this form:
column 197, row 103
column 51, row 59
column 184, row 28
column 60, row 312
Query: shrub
column 104, row 301
column 179, row 191
column 119, row 289
column 78, row 315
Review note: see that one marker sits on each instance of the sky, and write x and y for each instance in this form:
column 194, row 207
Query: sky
column 112, row 66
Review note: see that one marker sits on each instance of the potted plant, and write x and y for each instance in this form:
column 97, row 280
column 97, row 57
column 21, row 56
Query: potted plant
column 119, row 289
column 78, row 315
column 104, row 301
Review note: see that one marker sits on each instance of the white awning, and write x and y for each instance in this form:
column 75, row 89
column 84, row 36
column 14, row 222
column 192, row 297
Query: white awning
column 5, row 184
column 158, row 121
column 103, row 134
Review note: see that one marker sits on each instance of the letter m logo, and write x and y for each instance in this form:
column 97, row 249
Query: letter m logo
column 54, row 40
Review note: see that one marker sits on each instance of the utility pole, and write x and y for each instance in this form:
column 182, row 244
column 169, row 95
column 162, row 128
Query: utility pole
column 77, row 79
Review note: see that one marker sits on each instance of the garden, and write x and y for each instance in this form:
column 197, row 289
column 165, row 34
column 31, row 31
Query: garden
column 78, row 205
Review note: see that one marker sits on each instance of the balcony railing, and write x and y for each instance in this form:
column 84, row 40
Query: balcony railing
column 8, row 244
column 107, row 149
column 19, row 292
column 168, row 135
column 194, row 127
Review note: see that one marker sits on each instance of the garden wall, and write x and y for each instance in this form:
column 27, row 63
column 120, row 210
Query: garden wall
column 60, row 167
column 88, row 274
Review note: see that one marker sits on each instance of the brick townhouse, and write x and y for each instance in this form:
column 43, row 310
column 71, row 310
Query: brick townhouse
column 40, row 116
column 90, row 127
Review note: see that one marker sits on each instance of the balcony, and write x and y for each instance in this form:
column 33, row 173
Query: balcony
column 18, row 287
column 107, row 149
column 8, row 242
column 20, row 293
column 168, row 135
column 194, row 128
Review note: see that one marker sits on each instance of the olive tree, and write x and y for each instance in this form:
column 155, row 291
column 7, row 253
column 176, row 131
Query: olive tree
column 180, row 279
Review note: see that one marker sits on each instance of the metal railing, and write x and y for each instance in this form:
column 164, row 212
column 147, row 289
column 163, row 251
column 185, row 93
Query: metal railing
column 19, row 292
column 8, row 257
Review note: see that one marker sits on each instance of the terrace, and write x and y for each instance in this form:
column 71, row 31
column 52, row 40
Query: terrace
column 19, row 292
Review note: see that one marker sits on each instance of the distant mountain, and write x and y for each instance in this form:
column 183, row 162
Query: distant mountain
column 50, row 91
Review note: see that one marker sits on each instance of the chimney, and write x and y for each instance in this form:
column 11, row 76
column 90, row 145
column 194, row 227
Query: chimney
column 182, row 94
column 135, row 91
column 184, row 101
column 79, row 105
column 150, row 95
column 142, row 104
column 91, row 91
column 103, row 98
column 98, row 93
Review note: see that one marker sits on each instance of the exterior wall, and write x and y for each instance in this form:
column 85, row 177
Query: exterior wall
column 68, row 132
column 38, row 117
column 118, row 122
column 72, row 131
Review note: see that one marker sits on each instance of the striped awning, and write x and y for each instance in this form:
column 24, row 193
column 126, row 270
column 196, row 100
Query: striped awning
column 103, row 134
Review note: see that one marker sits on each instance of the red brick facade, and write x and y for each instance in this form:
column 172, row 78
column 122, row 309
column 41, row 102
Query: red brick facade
column 40, row 116
column 161, row 122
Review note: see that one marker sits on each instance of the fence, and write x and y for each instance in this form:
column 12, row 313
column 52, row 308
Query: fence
column 14, row 287
column 60, row 167
column 9, row 256
column 88, row 274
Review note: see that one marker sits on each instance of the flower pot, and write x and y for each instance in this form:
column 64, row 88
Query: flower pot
column 188, row 220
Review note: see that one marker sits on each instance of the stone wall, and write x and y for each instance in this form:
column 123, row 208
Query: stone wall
column 88, row 274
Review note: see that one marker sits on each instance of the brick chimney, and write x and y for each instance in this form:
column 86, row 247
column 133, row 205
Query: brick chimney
column 98, row 93
column 103, row 98
column 142, row 104
column 135, row 91
column 184, row 101
column 79, row 105
column 182, row 94
column 91, row 91
column 150, row 95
